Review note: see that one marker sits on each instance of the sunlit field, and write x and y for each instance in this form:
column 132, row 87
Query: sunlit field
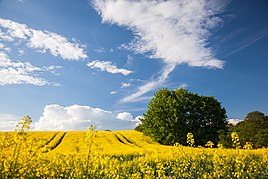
column 120, row 154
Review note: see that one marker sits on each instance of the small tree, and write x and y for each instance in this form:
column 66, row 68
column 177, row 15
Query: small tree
column 172, row 114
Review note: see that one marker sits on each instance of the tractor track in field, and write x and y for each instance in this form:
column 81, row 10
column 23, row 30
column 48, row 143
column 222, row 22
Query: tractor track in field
column 52, row 138
column 60, row 140
column 55, row 141
column 126, row 140
column 48, row 141
column 120, row 140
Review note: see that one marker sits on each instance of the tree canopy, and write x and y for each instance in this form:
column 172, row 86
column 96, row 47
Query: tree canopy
column 172, row 114
column 254, row 128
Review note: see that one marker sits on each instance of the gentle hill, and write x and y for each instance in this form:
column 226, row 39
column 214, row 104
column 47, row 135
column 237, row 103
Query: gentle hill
column 78, row 142
column 120, row 154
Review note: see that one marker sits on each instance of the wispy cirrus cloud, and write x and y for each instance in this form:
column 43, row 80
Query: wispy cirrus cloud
column 176, row 32
column 100, row 50
column 108, row 67
column 249, row 41
column 4, row 48
column 17, row 72
column 149, row 86
column 43, row 41
column 125, row 85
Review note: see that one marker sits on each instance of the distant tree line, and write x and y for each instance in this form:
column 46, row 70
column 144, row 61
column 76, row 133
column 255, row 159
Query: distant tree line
column 253, row 129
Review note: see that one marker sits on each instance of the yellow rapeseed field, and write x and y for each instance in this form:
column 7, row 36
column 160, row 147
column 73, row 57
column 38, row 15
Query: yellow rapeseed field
column 120, row 154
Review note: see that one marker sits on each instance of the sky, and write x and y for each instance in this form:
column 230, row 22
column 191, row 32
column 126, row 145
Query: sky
column 69, row 64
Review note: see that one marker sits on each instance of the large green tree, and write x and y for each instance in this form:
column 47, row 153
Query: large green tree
column 172, row 114
column 254, row 128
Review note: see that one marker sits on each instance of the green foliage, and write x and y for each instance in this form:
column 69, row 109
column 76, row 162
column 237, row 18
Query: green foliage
column 225, row 138
column 139, row 128
column 254, row 128
column 261, row 138
column 174, row 113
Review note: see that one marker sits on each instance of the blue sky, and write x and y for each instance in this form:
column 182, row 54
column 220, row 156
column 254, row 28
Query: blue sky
column 69, row 64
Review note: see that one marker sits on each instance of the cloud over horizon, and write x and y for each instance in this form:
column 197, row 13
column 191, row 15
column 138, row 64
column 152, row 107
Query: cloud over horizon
column 8, row 122
column 176, row 32
column 77, row 117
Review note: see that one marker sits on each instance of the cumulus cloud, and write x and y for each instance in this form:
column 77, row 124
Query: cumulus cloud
column 8, row 122
column 76, row 117
column 176, row 32
column 108, row 67
column 41, row 40
column 20, row 72
column 126, row 116
column 233, row 121
column 5, row 37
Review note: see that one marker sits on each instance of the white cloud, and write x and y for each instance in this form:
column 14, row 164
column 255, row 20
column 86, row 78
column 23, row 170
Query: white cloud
column 126, row 116
column 58, row 45
column 234, row 121
column 149, row 86
column 42, row 40
column 19, row 72
column 4, row 48
column 137, row 119
column 108, row 67
column 21, row 52
column 249, row 41
column 8, row 122
column 125, row 85
column 76, row 117
column 100, row 50
column 5, row 37
column 113, row 92
column 52, row 67
column 176, row 32
column 15, row 30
